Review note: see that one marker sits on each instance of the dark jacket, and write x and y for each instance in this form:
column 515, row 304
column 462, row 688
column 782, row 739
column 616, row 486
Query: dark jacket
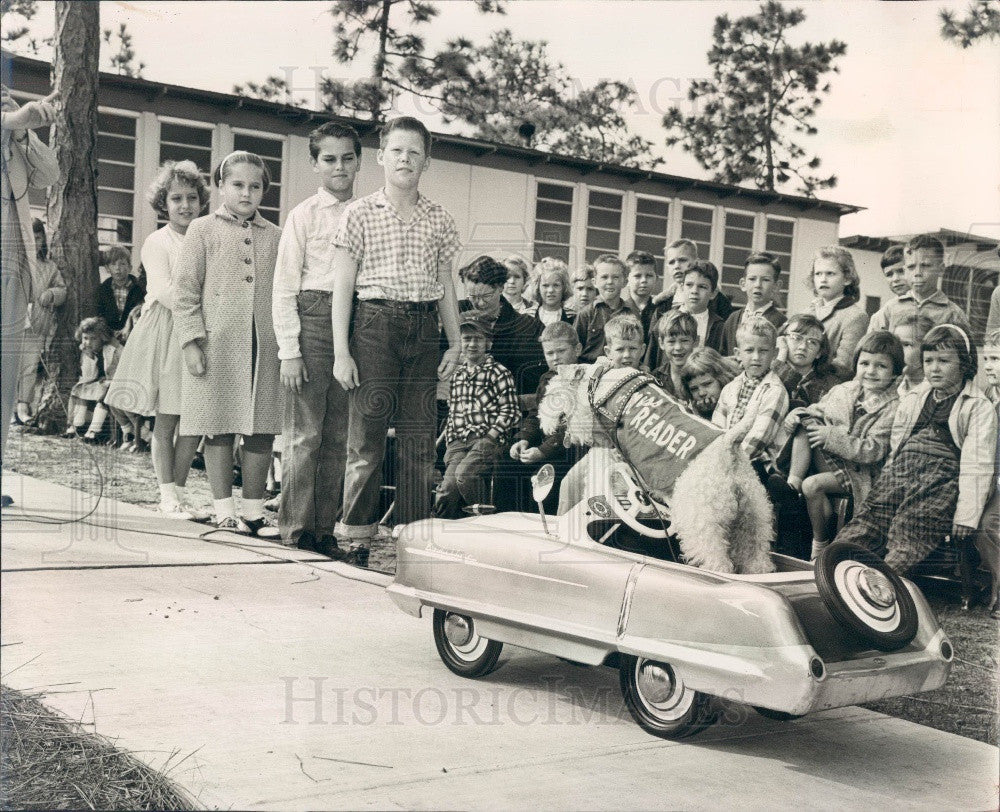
column 515, row 345
column 720, row 304
column 531, row 430
column 772, row 314
column 107, row 308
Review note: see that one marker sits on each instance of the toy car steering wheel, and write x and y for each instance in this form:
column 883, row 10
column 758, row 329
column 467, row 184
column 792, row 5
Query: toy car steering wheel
column 629, row 502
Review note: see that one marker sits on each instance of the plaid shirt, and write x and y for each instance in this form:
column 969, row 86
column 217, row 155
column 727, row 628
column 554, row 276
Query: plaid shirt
column 398, row 260
column 754, row 410
column 482, row 397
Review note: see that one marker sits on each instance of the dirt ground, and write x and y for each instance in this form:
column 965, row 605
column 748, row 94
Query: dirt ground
column 967, row 705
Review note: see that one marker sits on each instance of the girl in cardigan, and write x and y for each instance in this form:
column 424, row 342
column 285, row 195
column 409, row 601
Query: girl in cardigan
column 845, row 437
column 222, row 315
column 835, row 282
column 941, row 463
column 148, row 381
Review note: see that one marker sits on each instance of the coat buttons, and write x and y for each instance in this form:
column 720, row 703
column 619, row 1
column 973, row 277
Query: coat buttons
column 248, row 260
column 249, row 278
column 246, row 224
column 247, row 241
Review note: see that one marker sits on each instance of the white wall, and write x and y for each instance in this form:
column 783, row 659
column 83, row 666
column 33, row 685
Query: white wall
column 810, row 235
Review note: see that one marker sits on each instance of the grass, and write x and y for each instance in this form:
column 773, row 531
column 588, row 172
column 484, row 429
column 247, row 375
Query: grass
column 51, row 762
column 966, row 705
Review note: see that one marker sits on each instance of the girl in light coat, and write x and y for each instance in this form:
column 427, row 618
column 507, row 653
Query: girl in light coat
column 222, row 316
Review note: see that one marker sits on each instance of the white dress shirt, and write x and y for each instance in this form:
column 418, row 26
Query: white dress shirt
column 305, row 262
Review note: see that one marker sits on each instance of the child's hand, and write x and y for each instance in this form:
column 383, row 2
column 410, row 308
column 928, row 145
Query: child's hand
column 517, row 448
column 960, row 532
column 46, row 298
column 346, row 372
column 818, row 432
column 294, row 374
column 531, row 456
column 194, row 359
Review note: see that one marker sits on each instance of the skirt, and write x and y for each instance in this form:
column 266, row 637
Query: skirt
column 148, row 378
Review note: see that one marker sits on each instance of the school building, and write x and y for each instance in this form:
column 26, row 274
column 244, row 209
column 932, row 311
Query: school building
column 972, row 271
column 505, row 199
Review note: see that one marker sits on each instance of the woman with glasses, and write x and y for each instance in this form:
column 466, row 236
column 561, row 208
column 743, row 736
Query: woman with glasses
column 515, row 335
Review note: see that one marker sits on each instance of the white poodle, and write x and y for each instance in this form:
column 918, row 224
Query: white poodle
column 719, row 509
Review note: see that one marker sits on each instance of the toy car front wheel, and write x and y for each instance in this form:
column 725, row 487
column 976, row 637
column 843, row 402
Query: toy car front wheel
column 660, row 702
column 864, row 595
column 461, row 648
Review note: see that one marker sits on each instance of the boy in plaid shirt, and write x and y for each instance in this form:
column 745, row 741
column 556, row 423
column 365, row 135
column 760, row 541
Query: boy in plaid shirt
column 753, row 405
column 482, row 410
column 392, row 271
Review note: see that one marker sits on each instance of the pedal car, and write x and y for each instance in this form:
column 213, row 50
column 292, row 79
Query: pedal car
column 604, row 584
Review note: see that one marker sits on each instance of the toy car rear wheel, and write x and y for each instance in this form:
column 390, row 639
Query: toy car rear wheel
column 461, row 648
column 864, row 595
column 660, row 702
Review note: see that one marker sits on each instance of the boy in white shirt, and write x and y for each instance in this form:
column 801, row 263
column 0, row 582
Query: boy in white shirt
column 315, row 420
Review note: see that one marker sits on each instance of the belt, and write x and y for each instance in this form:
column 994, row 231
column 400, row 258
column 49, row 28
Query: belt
column 401, row 306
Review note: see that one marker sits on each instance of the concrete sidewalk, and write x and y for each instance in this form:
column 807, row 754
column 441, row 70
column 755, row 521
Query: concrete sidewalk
column 267, row 678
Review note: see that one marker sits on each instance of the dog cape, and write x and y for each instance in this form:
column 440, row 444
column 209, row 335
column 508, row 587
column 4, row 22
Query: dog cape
column 653, row 431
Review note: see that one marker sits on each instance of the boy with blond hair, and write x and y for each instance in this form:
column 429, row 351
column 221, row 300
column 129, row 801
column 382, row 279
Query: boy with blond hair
column 752, row 406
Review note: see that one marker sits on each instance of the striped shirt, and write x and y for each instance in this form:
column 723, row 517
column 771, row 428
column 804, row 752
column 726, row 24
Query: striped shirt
column 398, row 260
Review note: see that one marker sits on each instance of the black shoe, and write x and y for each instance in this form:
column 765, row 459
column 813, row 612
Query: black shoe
column 6, row 501
column 779, row 490
column 306, row 541
column 327, row 546
column 198, row 462
column 357, row 557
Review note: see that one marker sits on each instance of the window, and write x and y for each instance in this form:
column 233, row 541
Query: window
column 696, row 225
column 737, row 246
column 651, row 221
column 271, row 151
column 604, row 224
column 553, row 219
column 778, row 241
column 182, row 142
column 115, row 178
column 970, row 287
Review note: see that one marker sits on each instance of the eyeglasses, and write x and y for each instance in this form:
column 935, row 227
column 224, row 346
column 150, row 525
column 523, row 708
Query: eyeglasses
column 479, row 298
column 811, row 343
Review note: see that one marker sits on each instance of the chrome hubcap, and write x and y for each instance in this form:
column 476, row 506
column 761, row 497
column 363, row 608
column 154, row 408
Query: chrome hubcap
column 661, row 691
column 457, row 629
column 877, row 588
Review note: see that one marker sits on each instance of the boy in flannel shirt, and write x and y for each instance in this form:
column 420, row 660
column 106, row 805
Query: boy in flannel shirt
column 753, row 405
column 392, row 271
column 482, row 410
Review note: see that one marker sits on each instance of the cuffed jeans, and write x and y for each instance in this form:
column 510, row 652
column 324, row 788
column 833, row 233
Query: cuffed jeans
column 314, row 431
column 396, row 352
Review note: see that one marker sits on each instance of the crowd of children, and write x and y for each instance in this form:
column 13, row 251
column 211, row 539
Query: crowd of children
column 337, row 328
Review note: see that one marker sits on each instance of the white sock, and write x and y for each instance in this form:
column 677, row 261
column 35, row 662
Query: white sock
column 225, row 508
column 252, row 508
column 181, row 491
column 168, row 494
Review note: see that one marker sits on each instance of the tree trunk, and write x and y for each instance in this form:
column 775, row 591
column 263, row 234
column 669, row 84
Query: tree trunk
column 72, row 201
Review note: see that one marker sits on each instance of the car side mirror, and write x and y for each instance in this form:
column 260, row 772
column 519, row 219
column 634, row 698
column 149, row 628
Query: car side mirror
column 542, row 482
column 541, row 486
